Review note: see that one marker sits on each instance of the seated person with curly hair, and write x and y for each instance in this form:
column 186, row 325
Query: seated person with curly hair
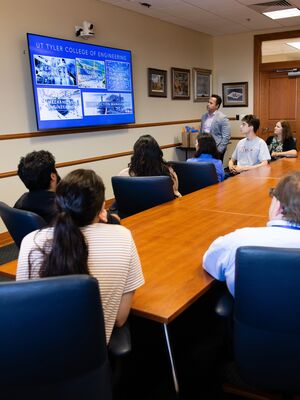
column 38, row 173
column 147, row 160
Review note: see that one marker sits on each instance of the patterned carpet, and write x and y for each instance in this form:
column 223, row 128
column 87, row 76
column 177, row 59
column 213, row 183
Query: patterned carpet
column 8, row 253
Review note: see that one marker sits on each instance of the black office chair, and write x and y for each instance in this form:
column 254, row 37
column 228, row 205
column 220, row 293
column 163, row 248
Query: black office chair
column 19, row 222
column 53, row 343
column 266, row 318
column 136, row 194
column 194, row 176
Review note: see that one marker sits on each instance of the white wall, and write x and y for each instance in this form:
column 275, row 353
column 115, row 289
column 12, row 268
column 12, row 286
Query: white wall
column 233, row 62
column 153, row 44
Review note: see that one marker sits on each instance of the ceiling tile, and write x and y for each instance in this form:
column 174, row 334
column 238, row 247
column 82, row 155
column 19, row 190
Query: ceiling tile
column 214, row 17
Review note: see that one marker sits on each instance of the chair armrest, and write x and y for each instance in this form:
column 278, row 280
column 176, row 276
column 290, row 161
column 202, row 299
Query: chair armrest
column 120, row 341
column 224, row 306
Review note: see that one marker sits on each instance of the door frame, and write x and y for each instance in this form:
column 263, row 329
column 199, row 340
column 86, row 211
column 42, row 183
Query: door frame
column 259, row 67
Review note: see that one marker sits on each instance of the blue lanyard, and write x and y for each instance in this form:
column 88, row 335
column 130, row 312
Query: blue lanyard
column 297, row 228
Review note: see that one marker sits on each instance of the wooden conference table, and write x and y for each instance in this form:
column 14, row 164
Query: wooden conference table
column 172, row 238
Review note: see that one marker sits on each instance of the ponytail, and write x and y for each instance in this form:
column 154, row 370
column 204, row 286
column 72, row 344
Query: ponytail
column 69, row 252
column 79, row 198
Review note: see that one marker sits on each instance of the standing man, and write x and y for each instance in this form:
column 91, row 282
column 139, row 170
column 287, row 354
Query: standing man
column 216, row 123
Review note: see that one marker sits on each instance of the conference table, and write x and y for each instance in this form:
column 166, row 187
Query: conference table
column 172, row 238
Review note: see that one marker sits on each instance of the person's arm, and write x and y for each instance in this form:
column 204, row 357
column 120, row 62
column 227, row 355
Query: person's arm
column 27, row 245
column 292, row 153
column 231, row 165
column 219, row 259
column 220, row 171
column 202, row 123
column 242, row 168
column 289, row 148
column 124, row 308
column 226, row 134
column 135, row 279
column 175, row 182
column 233, row 160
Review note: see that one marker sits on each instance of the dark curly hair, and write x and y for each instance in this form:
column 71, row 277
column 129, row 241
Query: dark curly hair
column 147, row 158
column 35, row 170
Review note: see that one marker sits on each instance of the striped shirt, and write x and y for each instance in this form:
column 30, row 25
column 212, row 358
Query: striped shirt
column 113, row 260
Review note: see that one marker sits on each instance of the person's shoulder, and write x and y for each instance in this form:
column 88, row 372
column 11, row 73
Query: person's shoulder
column 108, row 230
column 124, row 172
column 220, row 115
column 20, row 201
column 290, row 140
column 241, row 141
column 38, row 236
column 269, row 139
column 243, row 236
column 261, row 142
column 217, row 161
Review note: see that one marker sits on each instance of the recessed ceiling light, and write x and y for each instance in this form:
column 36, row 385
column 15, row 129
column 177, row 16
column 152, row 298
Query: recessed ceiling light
column 288, row 13
column 296, row 45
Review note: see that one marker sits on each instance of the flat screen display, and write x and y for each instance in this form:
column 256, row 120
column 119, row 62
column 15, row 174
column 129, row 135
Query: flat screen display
column 79, row 84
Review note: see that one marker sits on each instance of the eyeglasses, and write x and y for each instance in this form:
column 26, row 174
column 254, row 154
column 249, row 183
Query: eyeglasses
column 272, row 192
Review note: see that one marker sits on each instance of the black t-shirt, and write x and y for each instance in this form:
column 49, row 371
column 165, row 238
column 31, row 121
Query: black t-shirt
column 288, row 144
column 40, row 202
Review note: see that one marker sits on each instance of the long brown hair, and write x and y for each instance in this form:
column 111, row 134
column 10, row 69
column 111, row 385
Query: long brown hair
column 286, row 130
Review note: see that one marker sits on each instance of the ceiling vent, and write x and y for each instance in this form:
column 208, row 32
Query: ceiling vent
column 271, row 6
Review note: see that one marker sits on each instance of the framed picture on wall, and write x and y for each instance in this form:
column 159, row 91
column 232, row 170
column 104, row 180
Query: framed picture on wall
column 202, row 84
column 235, row 94
column 180, row 79
column 157, row 82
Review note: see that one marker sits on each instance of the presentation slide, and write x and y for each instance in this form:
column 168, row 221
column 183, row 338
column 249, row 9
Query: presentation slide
column 80, row 85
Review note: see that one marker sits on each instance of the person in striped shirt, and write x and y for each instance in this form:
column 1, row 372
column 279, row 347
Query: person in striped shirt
column 78, row 244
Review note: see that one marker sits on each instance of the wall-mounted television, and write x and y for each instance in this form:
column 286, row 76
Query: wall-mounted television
column 80, row 84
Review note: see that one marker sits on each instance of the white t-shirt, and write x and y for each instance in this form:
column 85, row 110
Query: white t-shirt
column 113, row 260
column 251, row 152
column 219, row 259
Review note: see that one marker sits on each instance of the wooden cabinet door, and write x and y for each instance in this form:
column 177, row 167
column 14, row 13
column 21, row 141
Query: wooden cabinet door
column 279, row 100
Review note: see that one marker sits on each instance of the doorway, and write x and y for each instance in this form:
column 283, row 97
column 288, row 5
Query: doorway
column 276, row 94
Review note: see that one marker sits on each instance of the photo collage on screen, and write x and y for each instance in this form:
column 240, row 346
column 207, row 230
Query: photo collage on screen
column 74, row 88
